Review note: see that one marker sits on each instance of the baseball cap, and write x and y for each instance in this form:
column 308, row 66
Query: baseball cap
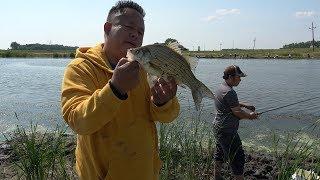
column 233, row 70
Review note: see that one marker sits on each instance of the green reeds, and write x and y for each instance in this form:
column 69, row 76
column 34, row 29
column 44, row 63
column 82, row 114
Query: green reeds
column 293, row 152
column 186, row 148
column 38, row 156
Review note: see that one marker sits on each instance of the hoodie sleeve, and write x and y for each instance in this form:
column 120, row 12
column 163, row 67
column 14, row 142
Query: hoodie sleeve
column 84, row 107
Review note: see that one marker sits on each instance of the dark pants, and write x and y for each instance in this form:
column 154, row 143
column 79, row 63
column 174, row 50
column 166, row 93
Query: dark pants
column 229, row 149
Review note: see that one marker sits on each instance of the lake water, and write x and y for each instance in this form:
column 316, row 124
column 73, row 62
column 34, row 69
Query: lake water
column 31, row 89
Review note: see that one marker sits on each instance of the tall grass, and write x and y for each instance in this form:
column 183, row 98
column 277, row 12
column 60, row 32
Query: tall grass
column 187, row 147
column 38, row 156
column 294, row 152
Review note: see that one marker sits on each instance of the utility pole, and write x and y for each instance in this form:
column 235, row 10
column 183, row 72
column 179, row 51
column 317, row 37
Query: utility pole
column 233, row 44
column 312, row 29
column 254, row 43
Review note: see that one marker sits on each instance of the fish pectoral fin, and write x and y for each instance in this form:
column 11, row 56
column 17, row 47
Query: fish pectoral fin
column 199, row 93
column 152, row 80
column 197, row 98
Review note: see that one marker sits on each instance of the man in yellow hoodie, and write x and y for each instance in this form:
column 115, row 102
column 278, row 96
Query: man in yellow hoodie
column 107, row 101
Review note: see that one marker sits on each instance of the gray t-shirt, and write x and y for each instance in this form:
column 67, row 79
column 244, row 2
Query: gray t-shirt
column 226, row 98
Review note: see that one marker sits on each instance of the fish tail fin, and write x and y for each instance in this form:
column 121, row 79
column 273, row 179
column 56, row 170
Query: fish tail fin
column 199, row 93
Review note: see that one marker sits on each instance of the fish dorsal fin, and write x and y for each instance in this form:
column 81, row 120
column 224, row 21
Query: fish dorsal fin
column 192, row 61
column 174, row 45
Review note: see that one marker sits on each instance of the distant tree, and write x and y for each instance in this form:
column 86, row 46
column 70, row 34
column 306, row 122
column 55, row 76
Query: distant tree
column 15, row 45
column 45, row 47
column 72, row 55
column 169, row 40
column 307, row 44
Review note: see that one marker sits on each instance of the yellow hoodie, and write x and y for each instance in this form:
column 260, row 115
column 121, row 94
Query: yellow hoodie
column 116, row 139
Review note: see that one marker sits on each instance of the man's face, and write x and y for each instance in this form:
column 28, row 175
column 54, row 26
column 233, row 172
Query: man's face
column 236, row 80
column 126, row 32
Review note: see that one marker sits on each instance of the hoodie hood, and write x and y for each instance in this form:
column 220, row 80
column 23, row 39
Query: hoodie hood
column 95, row 55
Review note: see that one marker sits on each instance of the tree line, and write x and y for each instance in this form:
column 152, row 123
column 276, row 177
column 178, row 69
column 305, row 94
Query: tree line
column 307, row 44
column 57, row 47
column 37, row 46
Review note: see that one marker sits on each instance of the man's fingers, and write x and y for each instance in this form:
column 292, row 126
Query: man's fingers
column 133, row 66
column 162, row 81
column 122, row 61
column 164, row 84
column 156, row 92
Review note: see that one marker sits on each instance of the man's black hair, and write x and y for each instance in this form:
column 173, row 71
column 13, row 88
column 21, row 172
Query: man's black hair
column 122, row 5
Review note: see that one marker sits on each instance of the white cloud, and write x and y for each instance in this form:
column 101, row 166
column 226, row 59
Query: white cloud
column 220, row 13
column 211, row 18
column 224, row 12
column 301, row 14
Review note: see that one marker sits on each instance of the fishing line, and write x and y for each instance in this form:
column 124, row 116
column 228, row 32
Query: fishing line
column 276, row 108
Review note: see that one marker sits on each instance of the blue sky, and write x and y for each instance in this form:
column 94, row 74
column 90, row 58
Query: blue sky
column 204, row 23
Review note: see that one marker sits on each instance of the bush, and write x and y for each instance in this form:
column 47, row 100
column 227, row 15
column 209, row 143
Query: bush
column 72, row 55
column 55, row 55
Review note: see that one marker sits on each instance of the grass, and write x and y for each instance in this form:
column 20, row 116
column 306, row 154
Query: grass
column 38, row 156
column 294, row 153
column 186, row 149
column 34, row 54
column 296, row 53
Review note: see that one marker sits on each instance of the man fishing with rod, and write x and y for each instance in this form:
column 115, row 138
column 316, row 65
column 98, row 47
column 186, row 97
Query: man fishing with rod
column 229, row 112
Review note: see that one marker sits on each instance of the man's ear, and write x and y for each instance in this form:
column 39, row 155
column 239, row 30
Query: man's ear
column 107, row 27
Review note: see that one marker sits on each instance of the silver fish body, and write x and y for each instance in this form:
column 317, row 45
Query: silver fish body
column 164, row 61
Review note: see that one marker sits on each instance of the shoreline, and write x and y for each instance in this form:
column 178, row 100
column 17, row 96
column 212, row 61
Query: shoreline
column 259, row 165
column 204, row 57
column 289, row 53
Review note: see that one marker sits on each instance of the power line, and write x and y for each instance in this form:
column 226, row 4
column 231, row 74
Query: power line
column 312, row 29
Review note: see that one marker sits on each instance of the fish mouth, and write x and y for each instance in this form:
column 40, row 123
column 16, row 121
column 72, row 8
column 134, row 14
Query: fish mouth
column 130, row 51
column 130, row 55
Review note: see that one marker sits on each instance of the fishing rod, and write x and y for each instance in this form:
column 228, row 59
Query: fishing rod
column 276, row 108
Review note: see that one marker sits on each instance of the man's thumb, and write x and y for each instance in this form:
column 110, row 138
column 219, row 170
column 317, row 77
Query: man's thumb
column 122, row 61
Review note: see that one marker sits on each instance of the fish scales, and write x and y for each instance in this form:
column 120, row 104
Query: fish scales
column 164, row 61
column 185, row 76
